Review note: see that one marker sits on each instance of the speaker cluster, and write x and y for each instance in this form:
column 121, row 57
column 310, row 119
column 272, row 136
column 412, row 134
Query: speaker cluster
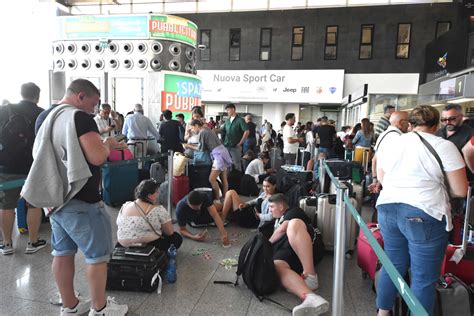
column 124, row 55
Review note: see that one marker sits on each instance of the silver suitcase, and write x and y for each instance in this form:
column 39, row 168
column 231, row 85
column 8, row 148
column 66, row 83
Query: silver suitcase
column 309, row 204
column 327, row 222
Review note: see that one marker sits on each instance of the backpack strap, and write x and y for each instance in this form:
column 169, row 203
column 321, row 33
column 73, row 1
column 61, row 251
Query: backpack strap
column 384, row 137
column 438, row 159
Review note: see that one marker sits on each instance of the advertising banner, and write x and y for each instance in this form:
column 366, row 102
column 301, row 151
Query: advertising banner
column 96, row 27
column 165, row 27
column 173, row 28
column 180, row 93
column 290, row 86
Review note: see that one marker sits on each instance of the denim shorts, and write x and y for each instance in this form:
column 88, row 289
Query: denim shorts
column 82, row 225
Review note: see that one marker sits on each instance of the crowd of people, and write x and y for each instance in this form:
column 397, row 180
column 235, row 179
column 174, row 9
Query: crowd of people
column 417, row 168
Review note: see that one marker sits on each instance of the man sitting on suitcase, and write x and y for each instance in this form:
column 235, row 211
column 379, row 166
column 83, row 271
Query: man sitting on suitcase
column 198, row 210
column 293, row 256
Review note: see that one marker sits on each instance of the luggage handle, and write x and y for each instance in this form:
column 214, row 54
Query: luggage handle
column 460, row 252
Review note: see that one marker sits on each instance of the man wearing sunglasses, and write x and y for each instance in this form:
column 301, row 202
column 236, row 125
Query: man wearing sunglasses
column 458, row 133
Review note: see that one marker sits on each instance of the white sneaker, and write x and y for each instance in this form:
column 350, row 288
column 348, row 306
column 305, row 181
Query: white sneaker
column 311, row 281
column 312, row 305
column 55, row 299
column 82, row 307
column 111, row 309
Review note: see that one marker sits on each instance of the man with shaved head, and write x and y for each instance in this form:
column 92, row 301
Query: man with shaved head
column 398, row 126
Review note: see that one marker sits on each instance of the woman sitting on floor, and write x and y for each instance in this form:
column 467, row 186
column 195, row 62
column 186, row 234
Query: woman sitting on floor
column 144, row 222
column 256, row 167
column 232, row 201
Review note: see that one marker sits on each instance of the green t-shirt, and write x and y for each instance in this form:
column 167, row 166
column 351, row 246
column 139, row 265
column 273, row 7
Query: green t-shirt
column 233, row 131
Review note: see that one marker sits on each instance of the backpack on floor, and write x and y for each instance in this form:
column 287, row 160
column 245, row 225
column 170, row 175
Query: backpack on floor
column 256, row 267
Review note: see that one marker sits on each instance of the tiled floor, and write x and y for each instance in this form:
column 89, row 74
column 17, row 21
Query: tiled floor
column 27, row 283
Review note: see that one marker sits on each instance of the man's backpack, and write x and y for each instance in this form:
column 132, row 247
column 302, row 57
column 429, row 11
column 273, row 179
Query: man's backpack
column 16, row 136
column 256, row 267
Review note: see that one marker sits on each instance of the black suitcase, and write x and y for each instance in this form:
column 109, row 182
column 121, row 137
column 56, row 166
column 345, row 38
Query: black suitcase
column 135, row 273
column 199, row 176
column 286, row 179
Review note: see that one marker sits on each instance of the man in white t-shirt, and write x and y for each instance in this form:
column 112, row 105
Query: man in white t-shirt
column 398, row 126
column 290, row 141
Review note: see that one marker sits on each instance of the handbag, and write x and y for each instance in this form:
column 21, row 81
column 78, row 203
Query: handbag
column 179, row 164
column 202, row 158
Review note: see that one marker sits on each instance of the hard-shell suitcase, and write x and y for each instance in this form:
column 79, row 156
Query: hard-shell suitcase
column 309, row 204
column 119, row 180
column 358, row 194
column 364, row 156
column 157, row 172
column 199, row 176
column 135, row 273
column 366, row 258
column 327, row 222
column 180, row 188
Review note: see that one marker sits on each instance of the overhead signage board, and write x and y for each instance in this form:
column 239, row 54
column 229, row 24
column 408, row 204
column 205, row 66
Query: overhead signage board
column 181, row 92
column 446, row 54
column 173, row 28
column 165, row 27
column 288, row 86
column 101, row 26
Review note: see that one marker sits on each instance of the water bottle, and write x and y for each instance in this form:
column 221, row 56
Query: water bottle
column 170, row 271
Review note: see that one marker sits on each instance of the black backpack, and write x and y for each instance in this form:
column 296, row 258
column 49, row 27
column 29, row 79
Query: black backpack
column 257, row 268
column 16, row 137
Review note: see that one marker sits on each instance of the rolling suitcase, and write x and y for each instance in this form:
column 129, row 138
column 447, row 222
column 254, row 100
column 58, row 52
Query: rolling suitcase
column 180, row 188
column 199, row 176
column 453, row 297
column 462, row 264
column 309, row 205
column 135, row 273
column 364, row 156
column 157, row 172
column 326, row 216
column 366, row 258
column 119, row 180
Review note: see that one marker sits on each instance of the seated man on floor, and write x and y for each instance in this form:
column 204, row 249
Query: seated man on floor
column 198, row 210
column 293, row 256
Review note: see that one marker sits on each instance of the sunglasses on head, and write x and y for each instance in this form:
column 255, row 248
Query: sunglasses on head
column 449, row 119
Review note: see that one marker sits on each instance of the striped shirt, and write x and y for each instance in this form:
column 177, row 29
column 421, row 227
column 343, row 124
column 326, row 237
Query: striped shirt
column 381, row 126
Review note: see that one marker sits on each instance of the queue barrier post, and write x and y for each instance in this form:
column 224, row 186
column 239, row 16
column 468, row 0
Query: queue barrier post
column 170, row 181
column 339, row 252
column 406, row 293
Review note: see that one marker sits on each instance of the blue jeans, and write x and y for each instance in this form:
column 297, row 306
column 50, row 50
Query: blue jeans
column 412, row 239
column 328, row 151
column 250, row 144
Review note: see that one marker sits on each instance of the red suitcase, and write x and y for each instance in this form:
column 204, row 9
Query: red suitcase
column 180, row 188
column 366, row 257
column 464, row 269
